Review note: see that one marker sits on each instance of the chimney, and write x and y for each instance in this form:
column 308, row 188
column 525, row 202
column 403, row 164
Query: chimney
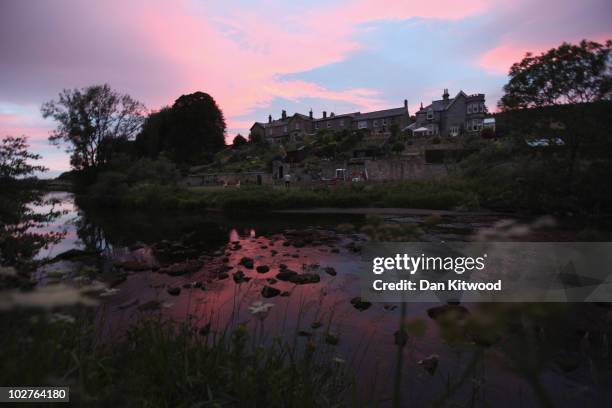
column 269, row 118
column 310, row 114
column 324, row 114
column 421, row 105
column 406, row 104
column 284, row 114
column 445, row 94
column 331, row 115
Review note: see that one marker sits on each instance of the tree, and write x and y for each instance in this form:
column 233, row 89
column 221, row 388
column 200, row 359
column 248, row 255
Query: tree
column 19, row 224
column 198, row 127
column 239, row 140
column 191, row 130
column 398, row 147
column 567, row 74
column 88, row 117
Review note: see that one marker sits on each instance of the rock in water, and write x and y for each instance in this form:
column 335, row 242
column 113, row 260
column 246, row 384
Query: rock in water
column 448, row 312
column 304, row 278
column 269, row 291
column 174, row 291
column 262, row 268
column 359, row 304
column 285, row 275
column 330, row 271
column 247, row 262
column 430, row 363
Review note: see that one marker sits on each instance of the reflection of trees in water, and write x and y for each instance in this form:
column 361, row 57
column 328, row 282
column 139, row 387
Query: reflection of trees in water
column 100, row 229
column 90, row 233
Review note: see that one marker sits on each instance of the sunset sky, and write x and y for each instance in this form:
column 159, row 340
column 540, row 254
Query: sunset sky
column 259, row 57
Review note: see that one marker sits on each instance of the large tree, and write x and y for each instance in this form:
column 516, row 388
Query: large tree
column 192, row 130
column 567, row 74
column 20, row 236
column 90, row 117
column 562, row 84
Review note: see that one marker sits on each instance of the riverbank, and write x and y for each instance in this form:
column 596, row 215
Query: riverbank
column 442, row 194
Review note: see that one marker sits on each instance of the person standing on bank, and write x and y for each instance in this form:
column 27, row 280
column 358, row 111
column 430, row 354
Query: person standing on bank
column 287, row 180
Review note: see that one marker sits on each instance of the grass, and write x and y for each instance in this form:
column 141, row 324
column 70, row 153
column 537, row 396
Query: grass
column 161, row 363
column 440, row 194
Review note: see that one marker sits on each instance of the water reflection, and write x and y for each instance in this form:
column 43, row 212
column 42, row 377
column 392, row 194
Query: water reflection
column 144, row 253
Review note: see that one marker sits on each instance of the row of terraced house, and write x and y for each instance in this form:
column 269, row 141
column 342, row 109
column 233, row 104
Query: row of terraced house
column 447, row 117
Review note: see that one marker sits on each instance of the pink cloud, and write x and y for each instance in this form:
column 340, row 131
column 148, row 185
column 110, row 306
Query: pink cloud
column 500, row 58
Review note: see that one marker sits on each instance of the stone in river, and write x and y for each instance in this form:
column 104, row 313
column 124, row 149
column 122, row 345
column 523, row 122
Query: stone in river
column 430, row 363
column 452, row 312
column 269, row 291
column 204, row 330
column 285, row 275
column 330, row 271
column 304, row 278
column 238, row 277
column 263, row 268
column 182, row 268
column 247, row 262
column 360, row 304
column 174, row 291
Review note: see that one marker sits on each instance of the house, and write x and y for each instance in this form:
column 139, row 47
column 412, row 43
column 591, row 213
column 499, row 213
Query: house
column 377, row 124
column 451, row 116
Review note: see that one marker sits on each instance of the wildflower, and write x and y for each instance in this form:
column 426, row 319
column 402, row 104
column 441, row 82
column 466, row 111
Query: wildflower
column 109, row 292
column 61, row 318
column 260, row 309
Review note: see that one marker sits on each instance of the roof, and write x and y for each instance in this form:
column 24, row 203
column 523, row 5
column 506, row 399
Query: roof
column 488, row 121
column 343, row 115
column 421, row 129
column 381, row 113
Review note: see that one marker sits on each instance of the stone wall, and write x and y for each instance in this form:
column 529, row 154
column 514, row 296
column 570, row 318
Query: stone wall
column 219, row 179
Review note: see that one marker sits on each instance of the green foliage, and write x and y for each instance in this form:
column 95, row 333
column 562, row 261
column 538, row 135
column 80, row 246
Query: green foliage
column 398, row 147
column 91, row 117
column 19, row 240
column 567, row 74
column 161, row 363
column 191, row 131
column 239, row 140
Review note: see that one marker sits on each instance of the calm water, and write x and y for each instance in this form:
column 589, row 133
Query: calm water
column 366, row 338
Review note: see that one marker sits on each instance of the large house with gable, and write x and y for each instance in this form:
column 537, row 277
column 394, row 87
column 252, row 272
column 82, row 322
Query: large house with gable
column 451, row 116
column 377, row 124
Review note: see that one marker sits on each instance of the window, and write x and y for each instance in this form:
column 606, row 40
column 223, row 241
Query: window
column 317, row 125
column 469, row 108
column 271, row 131
column 342, row 122
column 482, row 107
column 430, row 114
column 297, row 125
column 362, row 124
column 328, row 124
column 285, row 128
column 474, row 125
column 453, row 131
column 384, row 122
column 375, row 124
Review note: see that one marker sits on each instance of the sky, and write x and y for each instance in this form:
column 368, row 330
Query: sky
column 259, row 57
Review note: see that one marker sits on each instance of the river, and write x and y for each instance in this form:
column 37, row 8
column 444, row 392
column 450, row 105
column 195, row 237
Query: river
column 139, row 251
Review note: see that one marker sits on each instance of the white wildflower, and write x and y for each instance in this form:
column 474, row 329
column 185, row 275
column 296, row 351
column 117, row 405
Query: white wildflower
column 260, row 309
column 61, row 318
column 109, row 292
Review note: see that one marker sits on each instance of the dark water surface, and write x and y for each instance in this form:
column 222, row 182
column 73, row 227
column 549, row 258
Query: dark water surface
column 366, row 338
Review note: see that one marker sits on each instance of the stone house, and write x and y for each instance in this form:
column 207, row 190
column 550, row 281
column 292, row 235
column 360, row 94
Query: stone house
column 377, row 124
column 451, row 116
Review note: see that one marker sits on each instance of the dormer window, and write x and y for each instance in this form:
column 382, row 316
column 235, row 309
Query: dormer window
column 430, row 114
